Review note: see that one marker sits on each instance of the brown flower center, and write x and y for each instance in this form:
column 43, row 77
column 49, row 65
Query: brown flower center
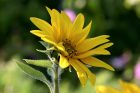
column 69, row 48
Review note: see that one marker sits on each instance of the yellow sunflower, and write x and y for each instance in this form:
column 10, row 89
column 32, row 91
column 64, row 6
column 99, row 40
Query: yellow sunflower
column 126, row 88
column 70, row 39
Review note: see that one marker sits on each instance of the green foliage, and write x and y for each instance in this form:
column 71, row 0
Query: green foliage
column 113, row 17
column 11, row 76
column 45, row 44
column 36, row 74
column 12, row 80
column 32, row 72
column 40, row 63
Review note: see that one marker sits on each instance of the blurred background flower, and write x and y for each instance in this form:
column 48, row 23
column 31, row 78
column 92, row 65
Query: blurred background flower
column 118, row 18
column 70, row 13
column 120, row 62
column 126, row 87
column 137, row 70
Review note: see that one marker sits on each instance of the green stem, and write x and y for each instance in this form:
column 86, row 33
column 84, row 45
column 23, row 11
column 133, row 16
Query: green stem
column 55, row 75
column 56, row 79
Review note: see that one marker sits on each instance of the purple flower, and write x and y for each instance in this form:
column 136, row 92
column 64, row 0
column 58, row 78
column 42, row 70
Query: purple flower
column 121, row 61
column 118, row 62
column 137, row 70
column 71, row 14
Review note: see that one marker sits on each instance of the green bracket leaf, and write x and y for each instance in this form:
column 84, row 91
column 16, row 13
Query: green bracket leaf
column 35, row 74
column 45, row 44
column 32, row 72
column 40, row 63
column 42, row 51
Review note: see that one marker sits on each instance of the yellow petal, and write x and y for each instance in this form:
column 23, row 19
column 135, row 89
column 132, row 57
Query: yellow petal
column 74, row 64
column 49, row 10
column 92, row 78
column 48, row 39
column 66, row 24
column 55, row 17
column 61, row 48
column 106, row 89
column 129, row 87
column 97, row 51
column 81, row 35
column 55, row 21
column 78, row 23
column 104, row 46
column 42, row 25
column 63, row 62
column 80, row 72
column 65, row 17
column 38, row 33
column 90, row 75
column 91, row 43
column 93, row 52
column 96, row 62
column 82, row 77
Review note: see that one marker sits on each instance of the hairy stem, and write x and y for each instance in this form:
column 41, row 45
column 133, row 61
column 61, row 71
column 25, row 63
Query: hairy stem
column 56, row 79
column 55, row 74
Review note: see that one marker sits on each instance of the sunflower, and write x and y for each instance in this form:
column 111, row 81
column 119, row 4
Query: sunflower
column 126, row 88
column 70, row 39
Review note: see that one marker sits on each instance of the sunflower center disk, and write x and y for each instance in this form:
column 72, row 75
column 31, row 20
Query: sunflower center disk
column 69, row 48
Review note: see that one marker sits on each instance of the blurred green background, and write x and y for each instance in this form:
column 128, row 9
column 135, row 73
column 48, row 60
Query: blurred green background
column 118, row 18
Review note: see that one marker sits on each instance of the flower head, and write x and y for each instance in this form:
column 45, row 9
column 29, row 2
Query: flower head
column 126, row 88
column 70, row 39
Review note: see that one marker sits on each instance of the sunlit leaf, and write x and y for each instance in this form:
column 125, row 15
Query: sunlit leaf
column 45, row 44
column 41, row 63
column 32, row 72
column 42, row 51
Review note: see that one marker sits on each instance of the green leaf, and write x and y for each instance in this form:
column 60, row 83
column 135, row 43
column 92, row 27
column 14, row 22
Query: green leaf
column 42, row 51
column 45, row 44
column 41, row 63
column 32, row 72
